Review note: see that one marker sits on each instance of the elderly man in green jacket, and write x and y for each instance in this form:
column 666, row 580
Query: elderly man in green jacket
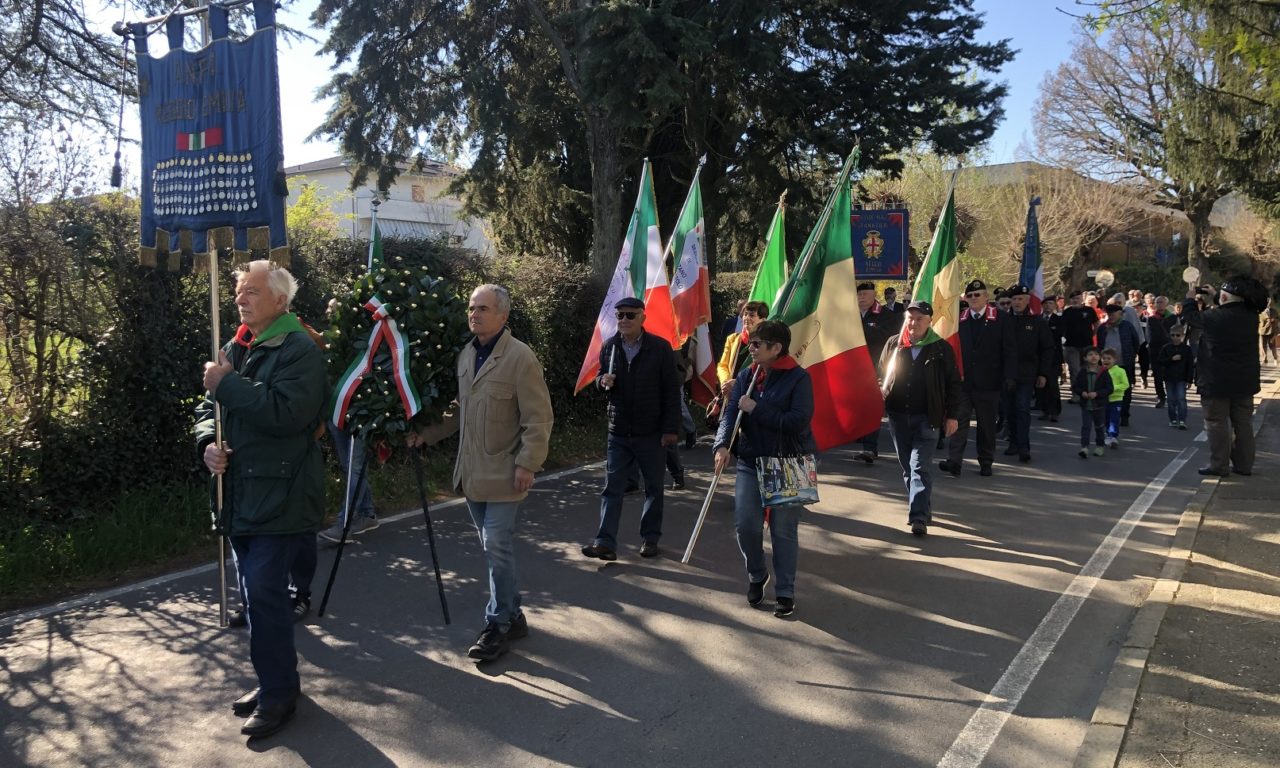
column 269, row 382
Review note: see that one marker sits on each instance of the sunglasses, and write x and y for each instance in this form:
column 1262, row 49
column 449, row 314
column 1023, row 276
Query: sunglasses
column 757, row 343
column 627, row 315
column 973, row 294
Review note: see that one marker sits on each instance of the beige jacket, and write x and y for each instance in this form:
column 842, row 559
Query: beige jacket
column 506, row 420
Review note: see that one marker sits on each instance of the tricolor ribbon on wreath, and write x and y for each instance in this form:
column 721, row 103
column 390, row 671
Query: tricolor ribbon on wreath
column 384, row 329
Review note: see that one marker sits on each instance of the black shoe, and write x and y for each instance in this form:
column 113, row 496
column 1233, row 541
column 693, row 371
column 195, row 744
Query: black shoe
column 867, row 456
column 1024, row 457
column 244, row 706
column 491, row 643
column 947, row 465
column 237, row 619
column 755, row 591
column 677, row 484
column 266, row 721
column 785, row 607
column 1011, row 451
column 1160, row 403
column 919, row 529
column 1243, row 472
column 690, row 440
column 301, row 608
column 985, row 470
column 1053, row 419
column 649, row 549
column 519, row 627
column 1212, row 472
column 596, row 550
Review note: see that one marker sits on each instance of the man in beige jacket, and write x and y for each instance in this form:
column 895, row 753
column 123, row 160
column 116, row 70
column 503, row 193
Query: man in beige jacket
column 503, row 416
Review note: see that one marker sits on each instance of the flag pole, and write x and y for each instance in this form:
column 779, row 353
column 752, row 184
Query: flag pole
column 215, row 320
column 715, row 481
column 373, row 228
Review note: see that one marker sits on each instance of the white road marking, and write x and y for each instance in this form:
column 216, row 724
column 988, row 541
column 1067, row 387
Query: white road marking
column 971, row 746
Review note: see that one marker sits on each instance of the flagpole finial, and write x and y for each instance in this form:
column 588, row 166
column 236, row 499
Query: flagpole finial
column 702, row 160
column 782, row 198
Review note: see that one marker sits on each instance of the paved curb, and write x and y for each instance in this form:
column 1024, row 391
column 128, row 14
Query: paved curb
column 1110, row 722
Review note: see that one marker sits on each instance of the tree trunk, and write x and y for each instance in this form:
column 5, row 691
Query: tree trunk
column 606, row 194
column 1201, row 236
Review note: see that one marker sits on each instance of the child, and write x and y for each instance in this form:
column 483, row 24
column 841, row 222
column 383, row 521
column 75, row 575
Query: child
column 1115, row 401
column 1179, row 370
column 1092, row 387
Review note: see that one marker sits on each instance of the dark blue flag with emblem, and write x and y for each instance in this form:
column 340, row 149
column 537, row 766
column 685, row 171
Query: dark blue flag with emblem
column 212, row 147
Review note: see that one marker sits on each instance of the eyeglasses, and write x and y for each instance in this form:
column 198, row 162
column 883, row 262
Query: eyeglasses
column 973, row 294
column 627, row 315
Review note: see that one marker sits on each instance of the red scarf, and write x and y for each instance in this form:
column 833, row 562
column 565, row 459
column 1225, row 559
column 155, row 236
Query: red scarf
column 780, row 363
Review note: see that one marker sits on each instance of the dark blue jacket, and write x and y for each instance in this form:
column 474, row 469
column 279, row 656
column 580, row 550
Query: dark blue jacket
column 779, row 425
column 988, row 351
column 645, row 398
column 1182, row 369
column 1101, row 384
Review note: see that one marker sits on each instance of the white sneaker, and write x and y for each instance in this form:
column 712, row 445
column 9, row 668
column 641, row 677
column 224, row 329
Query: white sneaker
column 1113, row 442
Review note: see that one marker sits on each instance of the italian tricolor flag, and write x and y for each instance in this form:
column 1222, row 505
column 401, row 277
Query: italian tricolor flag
column 771, row 275
column 192, row 142
column 691, row 292
column 815, row 303
column 640, row 273
column 939, row 281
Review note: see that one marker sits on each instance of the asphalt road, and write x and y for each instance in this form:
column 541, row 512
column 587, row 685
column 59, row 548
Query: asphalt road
column 891, row 658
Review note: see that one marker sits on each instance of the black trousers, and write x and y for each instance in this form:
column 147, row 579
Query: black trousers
column 983, row 406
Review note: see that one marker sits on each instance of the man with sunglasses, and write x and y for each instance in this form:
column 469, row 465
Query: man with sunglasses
column 638, row 374
column 989, row 359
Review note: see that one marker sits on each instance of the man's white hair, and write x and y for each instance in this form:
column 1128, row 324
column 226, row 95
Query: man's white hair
column 502, row 297
column 279, row 280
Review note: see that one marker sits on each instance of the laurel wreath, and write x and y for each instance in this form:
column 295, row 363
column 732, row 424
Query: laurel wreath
column 430, row 311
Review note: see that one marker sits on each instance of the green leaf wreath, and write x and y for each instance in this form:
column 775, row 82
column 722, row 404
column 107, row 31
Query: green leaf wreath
column 429, row 310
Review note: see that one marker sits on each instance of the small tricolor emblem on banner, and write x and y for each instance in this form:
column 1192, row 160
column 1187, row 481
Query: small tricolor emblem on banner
column 191, row 142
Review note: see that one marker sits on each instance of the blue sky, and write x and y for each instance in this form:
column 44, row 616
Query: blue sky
column 1040, row 33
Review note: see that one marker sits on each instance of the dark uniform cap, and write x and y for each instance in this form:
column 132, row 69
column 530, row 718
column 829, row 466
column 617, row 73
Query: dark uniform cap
column 866, row 286
column 1018, row 290
column 1114, row 308
column 923, row 307
column 975, row 285
column 630, row 302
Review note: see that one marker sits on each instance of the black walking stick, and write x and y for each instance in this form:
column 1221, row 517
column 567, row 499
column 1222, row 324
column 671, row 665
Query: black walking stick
column 346, row 521
column 431, row 537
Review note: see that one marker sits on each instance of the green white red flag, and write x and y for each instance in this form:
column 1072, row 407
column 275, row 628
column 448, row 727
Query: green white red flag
column 641, row 273
column 771, row 275
column 816, row 303
column 690, row 282
column 939, row 281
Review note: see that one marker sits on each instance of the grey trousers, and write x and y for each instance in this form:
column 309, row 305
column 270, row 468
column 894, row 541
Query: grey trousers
column 1229, row 422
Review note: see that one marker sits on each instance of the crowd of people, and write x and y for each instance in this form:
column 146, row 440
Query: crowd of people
column 1011, row 357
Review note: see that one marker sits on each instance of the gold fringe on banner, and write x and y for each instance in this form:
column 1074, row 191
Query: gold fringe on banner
column 282, row 256
column 163, row 258
column 147, row 256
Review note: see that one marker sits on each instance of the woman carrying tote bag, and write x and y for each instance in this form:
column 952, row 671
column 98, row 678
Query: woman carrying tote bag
column 775, row 396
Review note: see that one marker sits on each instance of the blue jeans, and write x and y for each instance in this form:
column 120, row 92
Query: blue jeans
column 914, row 441
column 1114, row 414
column 1176, row 402
column 621, row 455
column 496, row 523
column 1094, row 421
column 1018, row 413
column 361, row 497
column 264, row 563
column 784, row 525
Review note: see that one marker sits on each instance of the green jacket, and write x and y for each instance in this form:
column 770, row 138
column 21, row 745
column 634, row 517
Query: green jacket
column 271, row 404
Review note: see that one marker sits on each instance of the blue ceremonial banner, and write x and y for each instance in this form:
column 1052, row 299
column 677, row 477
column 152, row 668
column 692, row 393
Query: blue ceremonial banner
column 212, row 148
column 880, row 243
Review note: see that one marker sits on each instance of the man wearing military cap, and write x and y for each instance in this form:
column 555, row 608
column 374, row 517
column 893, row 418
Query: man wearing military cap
column 638, row 373
column 1034, row 351
column 921, row 388
column 988, row 357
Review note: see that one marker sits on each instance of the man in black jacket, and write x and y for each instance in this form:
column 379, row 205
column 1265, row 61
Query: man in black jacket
column 1078, row 325
column 988, row 357
column 1228, row 375
column 878, row 324
column 1034, row 350
column 921, row 387
column 638, row 371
